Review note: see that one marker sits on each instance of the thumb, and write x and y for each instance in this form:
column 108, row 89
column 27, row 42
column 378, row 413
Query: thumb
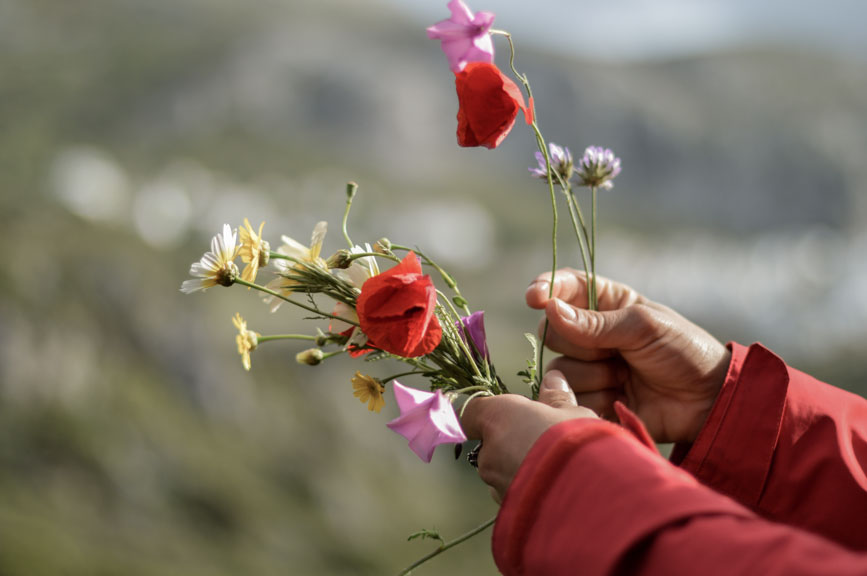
column 620, row 328
column 555, row 391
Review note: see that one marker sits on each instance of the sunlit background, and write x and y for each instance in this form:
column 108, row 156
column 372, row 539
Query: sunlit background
column 132, row 441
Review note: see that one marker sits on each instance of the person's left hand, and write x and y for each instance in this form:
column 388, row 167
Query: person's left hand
column 510, row 424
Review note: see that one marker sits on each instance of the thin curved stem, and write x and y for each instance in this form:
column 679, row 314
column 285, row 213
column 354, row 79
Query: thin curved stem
column 471, row 397
column 357, row 255
column 293, row 302
column 351, row 188
column 451, row 544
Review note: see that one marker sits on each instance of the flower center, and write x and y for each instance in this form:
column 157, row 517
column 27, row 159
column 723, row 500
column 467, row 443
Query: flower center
column 227, row 275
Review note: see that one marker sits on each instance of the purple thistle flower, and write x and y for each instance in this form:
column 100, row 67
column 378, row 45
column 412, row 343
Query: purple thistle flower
column 426, row 419
column 465, row 37
column 561, row 162
column 598, row 167
column 474, row 324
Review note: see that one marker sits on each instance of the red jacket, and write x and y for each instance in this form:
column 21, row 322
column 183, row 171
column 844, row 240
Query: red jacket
column 775, row 483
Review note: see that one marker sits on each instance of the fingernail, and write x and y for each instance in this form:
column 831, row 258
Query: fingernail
column 554, row 380
column 540, row 286
column 565, row 310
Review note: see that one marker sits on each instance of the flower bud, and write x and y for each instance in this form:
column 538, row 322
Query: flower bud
column 382, row 246
column 341, row 259
column 311, row 357
column 351, row 189
column 598, row 167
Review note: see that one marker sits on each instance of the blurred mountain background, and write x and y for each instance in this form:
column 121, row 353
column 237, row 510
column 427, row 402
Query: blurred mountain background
column 132, row 441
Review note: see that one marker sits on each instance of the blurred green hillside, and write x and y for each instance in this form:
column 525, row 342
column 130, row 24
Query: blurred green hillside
column 132, row 441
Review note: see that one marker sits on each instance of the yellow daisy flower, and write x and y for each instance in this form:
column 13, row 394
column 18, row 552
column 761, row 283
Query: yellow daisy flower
column 300, row 252
column 311, row 255
column 216, row 266
column 254, row 250
column 368, row 389
column 247, row 340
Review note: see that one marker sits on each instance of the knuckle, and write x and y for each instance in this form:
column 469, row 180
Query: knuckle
column 589, row 323
column 646, row 320
column 559, row 400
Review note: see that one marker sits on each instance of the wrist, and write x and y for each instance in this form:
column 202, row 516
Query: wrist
column 712, row 386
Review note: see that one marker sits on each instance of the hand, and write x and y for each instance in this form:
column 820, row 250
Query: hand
column 510, row 424
column 664, row 368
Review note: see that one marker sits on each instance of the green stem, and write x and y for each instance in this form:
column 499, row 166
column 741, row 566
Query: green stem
column 445, row 546
column 357, row 255
column 402, row 374
column 472, row 397
column 553, row 254
column 594, row 303
column 460, row 340
column 351, row 188
column 261, row 339
column 581, row 233
column 327, row 355
column 293, row 302
column 469, row 389
column 540, row 141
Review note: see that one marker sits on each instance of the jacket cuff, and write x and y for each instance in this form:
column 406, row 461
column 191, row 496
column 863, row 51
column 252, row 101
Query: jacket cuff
column 748, row 412
column 587, row 493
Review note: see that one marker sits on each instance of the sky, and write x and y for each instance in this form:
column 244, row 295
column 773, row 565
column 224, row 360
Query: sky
column 638, row 30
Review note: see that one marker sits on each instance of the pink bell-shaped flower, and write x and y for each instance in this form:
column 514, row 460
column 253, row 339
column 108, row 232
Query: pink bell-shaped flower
column 426, row 419
column 465, row 37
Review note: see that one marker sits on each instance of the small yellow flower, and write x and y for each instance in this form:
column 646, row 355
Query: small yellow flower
column 368, row 389
column 254, row 250
column 247, row 340
column 216, row 266
column 300, row 253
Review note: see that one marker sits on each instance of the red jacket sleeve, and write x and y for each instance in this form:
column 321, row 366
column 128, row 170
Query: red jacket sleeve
column 590, row 499
column 787, row 446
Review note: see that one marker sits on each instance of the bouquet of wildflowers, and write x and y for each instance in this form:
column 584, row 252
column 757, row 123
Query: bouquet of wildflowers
column 375, row 301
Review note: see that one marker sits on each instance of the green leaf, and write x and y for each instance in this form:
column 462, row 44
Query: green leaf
column 425, row 533
column 529, row 375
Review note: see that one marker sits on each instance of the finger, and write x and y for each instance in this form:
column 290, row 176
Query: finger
column 567, row 284
column 474, row 415
column 555, row 391
column 586, row 377
column 571, row 286
column 601, row 402
column 556, row 342
column 627, row 328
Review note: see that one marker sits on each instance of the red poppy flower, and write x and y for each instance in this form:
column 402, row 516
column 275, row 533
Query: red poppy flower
column 396, row 310
column 489, row 102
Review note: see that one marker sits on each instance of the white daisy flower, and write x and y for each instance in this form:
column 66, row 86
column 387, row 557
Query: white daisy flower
column 216, row 266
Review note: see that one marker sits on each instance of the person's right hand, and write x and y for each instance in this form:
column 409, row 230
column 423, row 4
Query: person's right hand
column 664, row 368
